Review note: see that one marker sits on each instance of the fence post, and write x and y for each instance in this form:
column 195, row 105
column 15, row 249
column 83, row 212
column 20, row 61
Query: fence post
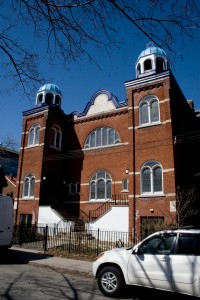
column 70, row 234
column 45, row 237
column 98, row 242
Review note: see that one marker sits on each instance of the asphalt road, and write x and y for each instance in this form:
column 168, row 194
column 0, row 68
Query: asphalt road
column 21, row 281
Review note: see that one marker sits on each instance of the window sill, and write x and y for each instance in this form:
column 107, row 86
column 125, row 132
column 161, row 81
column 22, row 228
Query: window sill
column 32, row 146
column 56, row 148
column 104, row 147
column 74, row 194
column 151, row 195
column 149, row 125
column 98, row 200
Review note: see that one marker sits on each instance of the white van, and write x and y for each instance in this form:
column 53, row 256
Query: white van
column 6, row 221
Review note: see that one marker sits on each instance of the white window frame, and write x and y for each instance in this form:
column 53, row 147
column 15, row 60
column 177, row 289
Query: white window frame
column 149, row 100
column 124, row 184
column 56, row 134
column 28, row 186
column 73, row 188
column 34, row 135
column 102, row 137
column 106, row 179
column 151, row 165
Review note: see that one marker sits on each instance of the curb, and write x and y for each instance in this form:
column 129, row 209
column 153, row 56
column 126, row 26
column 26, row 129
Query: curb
column 62, row 269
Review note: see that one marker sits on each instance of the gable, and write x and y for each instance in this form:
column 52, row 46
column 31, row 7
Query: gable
column 102, row 101
column 101, row 104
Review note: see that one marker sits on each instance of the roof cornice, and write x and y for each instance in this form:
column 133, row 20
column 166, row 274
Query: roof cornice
column 98, row 116
column 147, row 79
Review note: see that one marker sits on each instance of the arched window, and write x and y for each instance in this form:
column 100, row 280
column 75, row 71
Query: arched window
column 57, row 100
column 34, row 134
column 49, row 98
column 40, row 98
column 102, row 136
column 149, row 110
column 101, row 186
column 138, row 69
column 28, row 186
column 160, row 64
column 56, row 137
column 151, row 178
column 147, row 65
column 124, row 184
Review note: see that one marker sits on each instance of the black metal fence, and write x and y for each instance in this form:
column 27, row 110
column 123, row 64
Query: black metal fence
column 66, row 239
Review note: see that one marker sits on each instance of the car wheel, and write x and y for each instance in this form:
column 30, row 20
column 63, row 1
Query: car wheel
column 110, row 281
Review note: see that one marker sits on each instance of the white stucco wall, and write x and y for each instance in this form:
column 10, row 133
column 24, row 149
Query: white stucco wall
column 48, row 216
column 116, row 219
column 101, row 104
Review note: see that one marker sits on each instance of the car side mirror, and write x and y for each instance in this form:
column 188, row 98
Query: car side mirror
column 137, row 251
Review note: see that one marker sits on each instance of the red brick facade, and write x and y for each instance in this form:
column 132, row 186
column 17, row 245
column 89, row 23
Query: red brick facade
column 54, row 169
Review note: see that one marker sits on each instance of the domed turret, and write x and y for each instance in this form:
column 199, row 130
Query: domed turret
column 49, row 94
column 152, row 60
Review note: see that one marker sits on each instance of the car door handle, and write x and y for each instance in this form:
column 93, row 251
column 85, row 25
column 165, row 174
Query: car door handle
column 1, row 231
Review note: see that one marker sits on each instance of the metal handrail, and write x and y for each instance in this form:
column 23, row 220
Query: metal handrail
column 116, row 200
column 83, row 216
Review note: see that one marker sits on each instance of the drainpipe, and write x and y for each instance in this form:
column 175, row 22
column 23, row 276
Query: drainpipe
column 134, row 181
column 20, row 171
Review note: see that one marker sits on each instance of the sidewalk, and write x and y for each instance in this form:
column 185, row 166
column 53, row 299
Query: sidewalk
column 72, row 266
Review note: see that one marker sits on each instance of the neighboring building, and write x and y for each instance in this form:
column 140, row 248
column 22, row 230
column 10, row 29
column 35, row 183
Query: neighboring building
column 10, row 189
column 131, row 152
column 9, row 162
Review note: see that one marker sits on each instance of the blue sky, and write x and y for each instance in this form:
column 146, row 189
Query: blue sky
column 81, row 80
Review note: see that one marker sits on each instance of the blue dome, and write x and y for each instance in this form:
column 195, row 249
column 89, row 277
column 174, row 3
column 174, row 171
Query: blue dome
column 152, row 50
column 50, row 87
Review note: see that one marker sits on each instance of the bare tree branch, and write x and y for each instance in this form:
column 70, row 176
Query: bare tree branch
column 51, row 3
column 8, row 142
column 68, row 27
column 186, row 205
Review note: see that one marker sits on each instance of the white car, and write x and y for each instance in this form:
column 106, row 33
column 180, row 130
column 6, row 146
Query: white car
column 166, row 260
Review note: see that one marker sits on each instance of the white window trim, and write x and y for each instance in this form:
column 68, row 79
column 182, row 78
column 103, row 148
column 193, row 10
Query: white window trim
column 29, row 176
column 56, row 130
column 151, row 193
column 125, row 190
column 76, row 188
column 149, row 100
column 116, row 142
column 33, row 144
column 96, row 199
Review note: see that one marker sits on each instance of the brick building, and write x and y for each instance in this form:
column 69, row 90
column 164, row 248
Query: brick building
column 9, row 162
column 127, row 157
